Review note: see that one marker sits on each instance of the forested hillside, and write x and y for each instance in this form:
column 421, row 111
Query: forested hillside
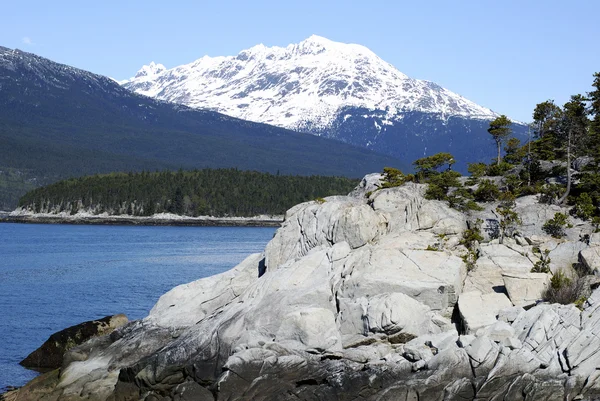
column 212, row 192
column 58, row 122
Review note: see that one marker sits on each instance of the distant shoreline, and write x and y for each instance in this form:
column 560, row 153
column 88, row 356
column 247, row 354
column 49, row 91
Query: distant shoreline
column 266, row 221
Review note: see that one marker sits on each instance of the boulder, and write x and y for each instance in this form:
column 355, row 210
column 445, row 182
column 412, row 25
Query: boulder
column 525, row 289
column 499, row 332
column 563, row 254
column 405, row 209
column 590, row 258
column 313, row 225
column 50, row 354
column 479, row 310
column 495, row 260
column 394, row 314
column 509, row 315
column 581, row 162
column 432, row 278
column 369, row 184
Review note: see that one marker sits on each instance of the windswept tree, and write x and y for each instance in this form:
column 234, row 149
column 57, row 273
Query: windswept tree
column 573, row 133
column 430, row 165
column 500, row 130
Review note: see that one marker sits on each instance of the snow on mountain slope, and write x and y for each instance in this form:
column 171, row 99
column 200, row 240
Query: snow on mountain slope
column 303, row 86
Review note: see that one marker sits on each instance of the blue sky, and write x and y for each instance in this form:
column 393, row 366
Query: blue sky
column 506, row 55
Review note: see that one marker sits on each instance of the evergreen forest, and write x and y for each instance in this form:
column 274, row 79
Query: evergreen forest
column 207, row 192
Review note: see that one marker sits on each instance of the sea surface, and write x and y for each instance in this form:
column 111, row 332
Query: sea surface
column 56, row 276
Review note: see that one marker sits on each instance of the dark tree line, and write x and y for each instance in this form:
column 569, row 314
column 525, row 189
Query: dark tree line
column 213, row 192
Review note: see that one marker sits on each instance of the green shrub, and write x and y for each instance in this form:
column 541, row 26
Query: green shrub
column 472, row 205
column 477, row 170
column 498, row 169
column 430, row 165
column 440, row 183
column 486, row 192
column 392, row 177
column 509, row 219
column 513, row 183
column 551, row 193
column 515, row 153
column 542, row 265
column 470, row 258
column 320, row 200
column 558, row 171
column 461, row 199
column 563, row 290
column 472, row 235
column 584, row 207
column 556, row 226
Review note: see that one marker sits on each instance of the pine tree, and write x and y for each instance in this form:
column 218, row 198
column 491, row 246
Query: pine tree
column 573, row 130
column 500, row 130
column 594, row 142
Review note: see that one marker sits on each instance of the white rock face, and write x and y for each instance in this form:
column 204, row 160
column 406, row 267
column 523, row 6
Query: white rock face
column 480, row 310
column 187, row 304
column 590, row 257
column 355, row 299
column 302, row 85
column 525, row 289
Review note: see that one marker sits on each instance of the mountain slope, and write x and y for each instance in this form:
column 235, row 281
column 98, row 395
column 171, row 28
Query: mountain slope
column 329, row 89
column 57, row 121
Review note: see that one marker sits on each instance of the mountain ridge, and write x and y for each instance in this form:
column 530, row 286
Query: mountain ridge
column 342, row 75
column 58, row 121
column 335, row 90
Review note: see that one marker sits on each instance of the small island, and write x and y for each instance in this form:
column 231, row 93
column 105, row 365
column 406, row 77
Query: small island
column 208, row 197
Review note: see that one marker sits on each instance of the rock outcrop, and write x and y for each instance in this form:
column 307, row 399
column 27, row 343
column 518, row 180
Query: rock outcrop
column 50, row 354
column 358, row 297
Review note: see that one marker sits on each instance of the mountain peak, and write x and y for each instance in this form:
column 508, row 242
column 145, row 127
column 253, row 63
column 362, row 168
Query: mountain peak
column 303, row 86
column 150, row 70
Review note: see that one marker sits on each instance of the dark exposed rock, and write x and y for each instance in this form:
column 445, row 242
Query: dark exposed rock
column 50, row 354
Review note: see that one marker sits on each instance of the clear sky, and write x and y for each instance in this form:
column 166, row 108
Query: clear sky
column 506, row 55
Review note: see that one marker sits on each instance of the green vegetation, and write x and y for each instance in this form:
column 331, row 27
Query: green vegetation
column 487, row 191
column 470, row 240
column 429, row 166
column 214, row 192
column 564, row 290
column 542, row 265
column 70, row 125
column 392, row 177
column 500, row 130
column 12, row 183
column 556, row 226
column 509, row 219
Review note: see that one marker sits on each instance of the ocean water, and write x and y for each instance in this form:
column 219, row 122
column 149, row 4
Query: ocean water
column 56, row 276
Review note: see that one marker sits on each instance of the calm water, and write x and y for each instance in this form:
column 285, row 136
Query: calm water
column 55, row 276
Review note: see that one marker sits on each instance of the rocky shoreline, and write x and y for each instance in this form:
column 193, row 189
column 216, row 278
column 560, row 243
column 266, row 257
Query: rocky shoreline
column 274, row 221
column 371, row 296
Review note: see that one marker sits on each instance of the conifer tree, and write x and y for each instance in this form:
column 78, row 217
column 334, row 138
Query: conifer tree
column 500, row 130
column 573, row 130
column 594, row 142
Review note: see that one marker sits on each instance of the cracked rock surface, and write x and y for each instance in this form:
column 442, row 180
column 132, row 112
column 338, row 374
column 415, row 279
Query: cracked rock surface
column 355, row 298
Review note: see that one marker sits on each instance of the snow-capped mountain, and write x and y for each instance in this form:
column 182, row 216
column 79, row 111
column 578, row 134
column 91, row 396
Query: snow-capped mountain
column 57, row 121
column 302, row 84
column 343, row 91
